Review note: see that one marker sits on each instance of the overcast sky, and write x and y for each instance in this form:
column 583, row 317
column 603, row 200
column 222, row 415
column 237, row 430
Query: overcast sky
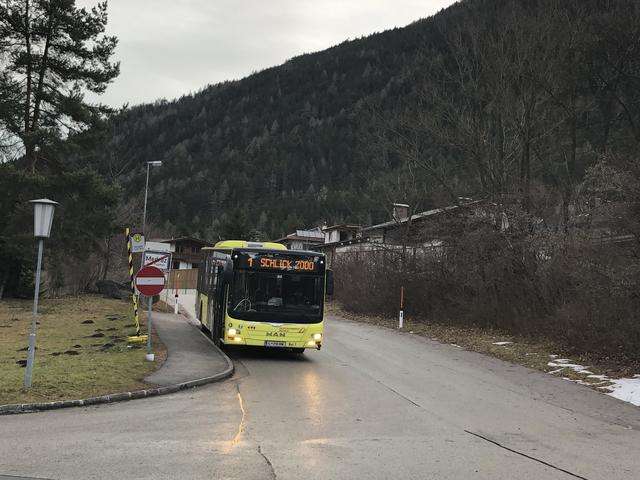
column 171, row 47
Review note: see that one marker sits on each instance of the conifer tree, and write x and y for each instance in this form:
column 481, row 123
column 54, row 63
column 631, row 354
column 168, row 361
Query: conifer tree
column 53, row 53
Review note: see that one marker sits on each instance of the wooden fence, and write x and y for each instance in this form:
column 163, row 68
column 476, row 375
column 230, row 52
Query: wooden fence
column 183, row 279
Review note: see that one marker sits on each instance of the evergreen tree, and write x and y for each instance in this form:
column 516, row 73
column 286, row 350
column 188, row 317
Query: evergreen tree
column 54, row 52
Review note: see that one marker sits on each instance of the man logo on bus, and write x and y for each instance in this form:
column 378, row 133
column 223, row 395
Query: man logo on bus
column 276, row 334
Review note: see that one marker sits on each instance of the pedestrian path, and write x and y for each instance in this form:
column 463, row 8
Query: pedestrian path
column 190, row 356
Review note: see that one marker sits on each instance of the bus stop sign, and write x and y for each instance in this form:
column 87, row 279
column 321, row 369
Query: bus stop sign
column 150, row 281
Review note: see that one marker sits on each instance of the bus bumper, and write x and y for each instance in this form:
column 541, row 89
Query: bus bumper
column 311, row 344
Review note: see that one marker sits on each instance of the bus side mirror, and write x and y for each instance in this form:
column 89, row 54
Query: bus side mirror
column 329, row 282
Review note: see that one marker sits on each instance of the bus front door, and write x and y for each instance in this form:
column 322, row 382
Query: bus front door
column 217, row 330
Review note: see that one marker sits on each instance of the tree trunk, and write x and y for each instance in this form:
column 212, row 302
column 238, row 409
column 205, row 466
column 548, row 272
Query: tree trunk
column 4, row 276
column 571, row 165
column 30, row 154
column 43, row 70
column 28, row 142
column 501, row 175
column 525, row 172
column 107, row 259
column 566, row 199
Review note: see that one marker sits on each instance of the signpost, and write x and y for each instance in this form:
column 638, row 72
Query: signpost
column 155, row 249
column 137, row 243
column 150, row 281
column 158, row 247
column 134, row 297
column 159, row 260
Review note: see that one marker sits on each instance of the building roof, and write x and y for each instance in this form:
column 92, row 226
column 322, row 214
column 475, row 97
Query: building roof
column 343, row 226
column 343, row 242
column 420, row 216
column 183, row 239
column 305, row 235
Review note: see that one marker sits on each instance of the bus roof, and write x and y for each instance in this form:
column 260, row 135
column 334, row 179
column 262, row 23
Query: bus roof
column 240, row 244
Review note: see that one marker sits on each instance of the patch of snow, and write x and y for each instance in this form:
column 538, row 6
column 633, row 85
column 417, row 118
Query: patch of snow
column 502, row 343
column 625, row 389
column 562, row 363
column 454, row 345
column 591, row 384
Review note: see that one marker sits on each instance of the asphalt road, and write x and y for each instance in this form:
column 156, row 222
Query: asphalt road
column 372, row 404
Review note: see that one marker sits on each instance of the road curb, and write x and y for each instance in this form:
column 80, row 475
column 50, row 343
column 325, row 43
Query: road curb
column 121, row 396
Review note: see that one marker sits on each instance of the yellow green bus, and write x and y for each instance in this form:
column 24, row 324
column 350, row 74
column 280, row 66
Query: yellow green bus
column 261, row 294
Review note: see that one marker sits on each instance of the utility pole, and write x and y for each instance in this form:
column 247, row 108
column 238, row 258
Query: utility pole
column 156, row 163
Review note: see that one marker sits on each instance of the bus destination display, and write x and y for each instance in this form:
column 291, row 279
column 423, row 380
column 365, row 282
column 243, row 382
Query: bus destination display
column 306, row 264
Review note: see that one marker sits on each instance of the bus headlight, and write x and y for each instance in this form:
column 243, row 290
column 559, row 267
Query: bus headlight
column 237, row 339
column 317, row 336
column 232, row 331
column 311, row 343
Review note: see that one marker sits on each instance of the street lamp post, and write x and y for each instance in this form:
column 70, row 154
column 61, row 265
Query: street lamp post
column 156, row 163
column 42, row 219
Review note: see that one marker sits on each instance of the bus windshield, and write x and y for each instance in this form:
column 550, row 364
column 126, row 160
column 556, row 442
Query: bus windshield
column 276, row 297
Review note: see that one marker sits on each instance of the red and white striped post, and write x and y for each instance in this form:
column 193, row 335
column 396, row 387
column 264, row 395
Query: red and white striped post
column 401, row 315
column 176, row 306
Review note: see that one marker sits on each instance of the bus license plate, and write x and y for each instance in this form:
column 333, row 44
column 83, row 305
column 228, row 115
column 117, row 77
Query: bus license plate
column 269, row 343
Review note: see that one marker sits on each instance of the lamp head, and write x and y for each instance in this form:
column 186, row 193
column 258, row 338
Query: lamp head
column 43, row 209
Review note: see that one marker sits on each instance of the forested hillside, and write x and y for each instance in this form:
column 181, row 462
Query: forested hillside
column 531, row 104
column 281, row 149
column 495, row 96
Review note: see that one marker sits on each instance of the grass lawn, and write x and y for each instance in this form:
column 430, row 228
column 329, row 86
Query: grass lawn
column 81, row 349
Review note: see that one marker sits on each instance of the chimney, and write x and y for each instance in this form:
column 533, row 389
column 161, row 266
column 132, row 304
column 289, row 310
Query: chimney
column 400, row 211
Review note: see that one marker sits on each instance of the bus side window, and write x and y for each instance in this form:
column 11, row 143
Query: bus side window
column 211, row 276
column 214, row 278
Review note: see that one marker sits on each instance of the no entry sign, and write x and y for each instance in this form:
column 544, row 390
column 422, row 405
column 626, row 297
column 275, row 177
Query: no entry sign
column 150, row 281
